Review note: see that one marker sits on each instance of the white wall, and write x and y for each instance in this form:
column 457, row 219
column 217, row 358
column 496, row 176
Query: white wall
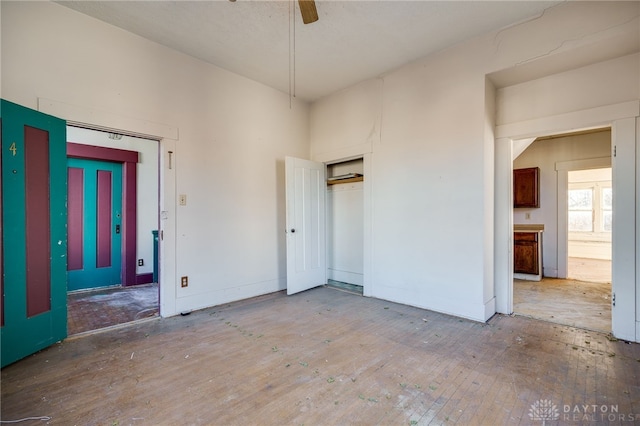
column 432, row 145
column 147, row 185
column 576, row 89
column 228, row 134
column 545, row 154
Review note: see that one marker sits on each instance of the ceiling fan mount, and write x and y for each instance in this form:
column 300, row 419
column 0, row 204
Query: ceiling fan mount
column 307, row 10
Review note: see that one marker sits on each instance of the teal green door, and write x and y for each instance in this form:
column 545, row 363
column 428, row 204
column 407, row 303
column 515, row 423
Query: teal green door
column 95, row 222
column 34, row 239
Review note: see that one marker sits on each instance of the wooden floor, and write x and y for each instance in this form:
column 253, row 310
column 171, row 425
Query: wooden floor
column 591, row 270
column 567, row 302
column 328, row 357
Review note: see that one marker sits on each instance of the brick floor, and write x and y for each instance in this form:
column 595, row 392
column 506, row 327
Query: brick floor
column 93, row 310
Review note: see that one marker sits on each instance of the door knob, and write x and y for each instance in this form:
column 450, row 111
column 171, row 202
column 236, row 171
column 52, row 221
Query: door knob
column 293, row 231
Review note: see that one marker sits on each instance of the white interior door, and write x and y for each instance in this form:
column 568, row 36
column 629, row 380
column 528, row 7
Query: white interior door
column 306, row 246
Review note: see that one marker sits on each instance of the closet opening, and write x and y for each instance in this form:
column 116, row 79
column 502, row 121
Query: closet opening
column 345, row 225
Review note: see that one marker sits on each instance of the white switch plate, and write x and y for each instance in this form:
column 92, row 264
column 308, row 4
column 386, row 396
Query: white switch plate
column 182, row 199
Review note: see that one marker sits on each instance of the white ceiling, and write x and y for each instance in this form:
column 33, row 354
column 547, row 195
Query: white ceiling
column 351, row 42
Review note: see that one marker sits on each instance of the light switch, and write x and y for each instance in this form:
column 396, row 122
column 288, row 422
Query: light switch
column 182, row 199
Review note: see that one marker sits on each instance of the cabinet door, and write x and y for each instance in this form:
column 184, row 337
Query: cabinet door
column 526, row 187
column 525, row 257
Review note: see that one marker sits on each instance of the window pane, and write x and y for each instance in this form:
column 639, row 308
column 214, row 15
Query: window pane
column 580, row 221
column 607, row 220
column 607, row 198
column 580, row 199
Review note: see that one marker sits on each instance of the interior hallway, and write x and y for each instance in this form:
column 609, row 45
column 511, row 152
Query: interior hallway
column 322, row 357
column 98, row 309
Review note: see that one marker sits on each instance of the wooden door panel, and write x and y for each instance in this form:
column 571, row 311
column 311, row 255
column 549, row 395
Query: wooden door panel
column 525, row 255
column 95, row 237
column 34, row 184
column 38, row 235
column 305, row 198
column 526, row 187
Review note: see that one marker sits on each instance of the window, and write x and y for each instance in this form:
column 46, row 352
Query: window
column 607, row 209
column 590, row 207
column 581, row 210
column 590, row 213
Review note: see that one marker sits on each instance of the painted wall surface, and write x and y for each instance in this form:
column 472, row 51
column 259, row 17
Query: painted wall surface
column 564, row 92
column 147, row 185
column 231, row 136
column 545, row 154
column 433, row 154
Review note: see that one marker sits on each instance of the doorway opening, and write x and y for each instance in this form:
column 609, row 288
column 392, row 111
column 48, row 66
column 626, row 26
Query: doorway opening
column 590, row 222
column 345, row 225
column 576, row 211
column 133, row 294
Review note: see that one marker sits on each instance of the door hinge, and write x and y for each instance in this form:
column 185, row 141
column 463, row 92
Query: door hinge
column 613, row 299
column 614, row 150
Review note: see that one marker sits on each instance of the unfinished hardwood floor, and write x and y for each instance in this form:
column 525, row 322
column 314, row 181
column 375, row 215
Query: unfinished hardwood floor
column 568, row 302
column 328, row 357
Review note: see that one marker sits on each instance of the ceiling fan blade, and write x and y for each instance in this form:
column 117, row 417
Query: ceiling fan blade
column 308, row 10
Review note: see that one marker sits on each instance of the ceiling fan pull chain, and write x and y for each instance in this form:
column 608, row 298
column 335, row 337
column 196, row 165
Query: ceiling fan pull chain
column 294, row 50
column 290, row 18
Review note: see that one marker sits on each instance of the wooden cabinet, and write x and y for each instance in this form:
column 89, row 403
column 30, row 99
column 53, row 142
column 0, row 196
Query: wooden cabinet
column 526, row 187
column 526, row 253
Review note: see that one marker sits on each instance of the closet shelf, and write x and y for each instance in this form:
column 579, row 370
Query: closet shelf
column 348, row 180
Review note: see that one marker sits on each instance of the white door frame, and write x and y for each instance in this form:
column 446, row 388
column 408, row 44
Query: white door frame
column 623, row 119
column 167, row 135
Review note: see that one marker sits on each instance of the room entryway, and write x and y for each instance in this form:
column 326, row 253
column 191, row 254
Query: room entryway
column 113, row 218
column 576, row 212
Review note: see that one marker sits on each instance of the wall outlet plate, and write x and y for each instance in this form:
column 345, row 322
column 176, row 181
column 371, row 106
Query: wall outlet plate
column 184, row 281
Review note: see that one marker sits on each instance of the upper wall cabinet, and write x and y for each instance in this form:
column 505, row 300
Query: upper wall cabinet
column 526, row 187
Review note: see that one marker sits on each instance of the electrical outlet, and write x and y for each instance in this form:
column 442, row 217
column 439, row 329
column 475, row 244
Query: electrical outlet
column 182, row 199
column 140, row 262
column 184, row 281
